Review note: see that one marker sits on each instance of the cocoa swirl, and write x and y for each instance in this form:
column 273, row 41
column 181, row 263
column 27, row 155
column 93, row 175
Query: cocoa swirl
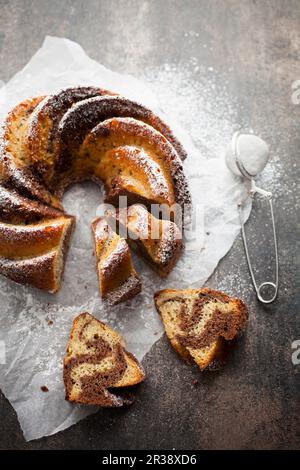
column 94, row 387
column 222, row 324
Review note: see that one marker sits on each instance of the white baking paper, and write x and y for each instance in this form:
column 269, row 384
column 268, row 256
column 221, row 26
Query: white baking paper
column 34, row 326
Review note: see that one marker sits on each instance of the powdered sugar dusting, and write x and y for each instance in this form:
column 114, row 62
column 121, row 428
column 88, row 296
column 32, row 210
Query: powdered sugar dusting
column 197, row 98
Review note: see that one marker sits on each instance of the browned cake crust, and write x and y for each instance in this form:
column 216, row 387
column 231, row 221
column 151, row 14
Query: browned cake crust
column 15, row 167
column 34, row 254
column 49, row 142
column 17, row 209
column 41, row 138
column 159, row 242
column 118, row 280
column 85, row 115
column 97, row 366
column 137, row 161
column 201, row 324
column 36, row 272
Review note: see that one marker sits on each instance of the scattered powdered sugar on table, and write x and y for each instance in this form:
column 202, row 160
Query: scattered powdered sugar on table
column 35, row 326
column 199, row 100
column 271, row 177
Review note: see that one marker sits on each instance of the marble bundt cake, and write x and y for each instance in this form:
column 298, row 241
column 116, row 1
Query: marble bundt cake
column 158, row 241
column 97, row 367
column 201, row 324
column 118, row 280
column 47, row 143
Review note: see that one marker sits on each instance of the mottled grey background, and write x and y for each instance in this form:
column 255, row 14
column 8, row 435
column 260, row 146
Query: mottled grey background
column 256, row 45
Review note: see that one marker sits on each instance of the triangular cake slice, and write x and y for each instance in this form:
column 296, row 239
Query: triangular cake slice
column 118, row 280
column 201, row 324
column 97, row 366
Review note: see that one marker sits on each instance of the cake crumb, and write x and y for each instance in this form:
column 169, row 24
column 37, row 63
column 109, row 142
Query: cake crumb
column 44, row 388
column 195, row 382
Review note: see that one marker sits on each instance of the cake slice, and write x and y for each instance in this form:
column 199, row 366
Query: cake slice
column 118, row 280
column 159, row 242
column 97, row 366
column 201, row 324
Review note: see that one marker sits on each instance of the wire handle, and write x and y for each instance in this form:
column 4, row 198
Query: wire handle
column 259, row 288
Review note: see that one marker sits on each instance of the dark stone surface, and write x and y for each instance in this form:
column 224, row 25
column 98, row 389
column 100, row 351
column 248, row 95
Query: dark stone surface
column 254, row 401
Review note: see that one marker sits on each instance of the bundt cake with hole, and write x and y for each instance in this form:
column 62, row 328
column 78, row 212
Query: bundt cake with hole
column 84, row 133
column 158, row 241
column 97, row 368
column 201, row 324
column 118, row 280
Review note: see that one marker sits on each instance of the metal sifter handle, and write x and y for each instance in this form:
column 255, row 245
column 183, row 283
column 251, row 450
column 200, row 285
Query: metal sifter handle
column 258, row 288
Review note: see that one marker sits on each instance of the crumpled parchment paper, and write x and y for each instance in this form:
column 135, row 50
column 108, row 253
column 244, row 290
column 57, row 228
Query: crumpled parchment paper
column 34, row 326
